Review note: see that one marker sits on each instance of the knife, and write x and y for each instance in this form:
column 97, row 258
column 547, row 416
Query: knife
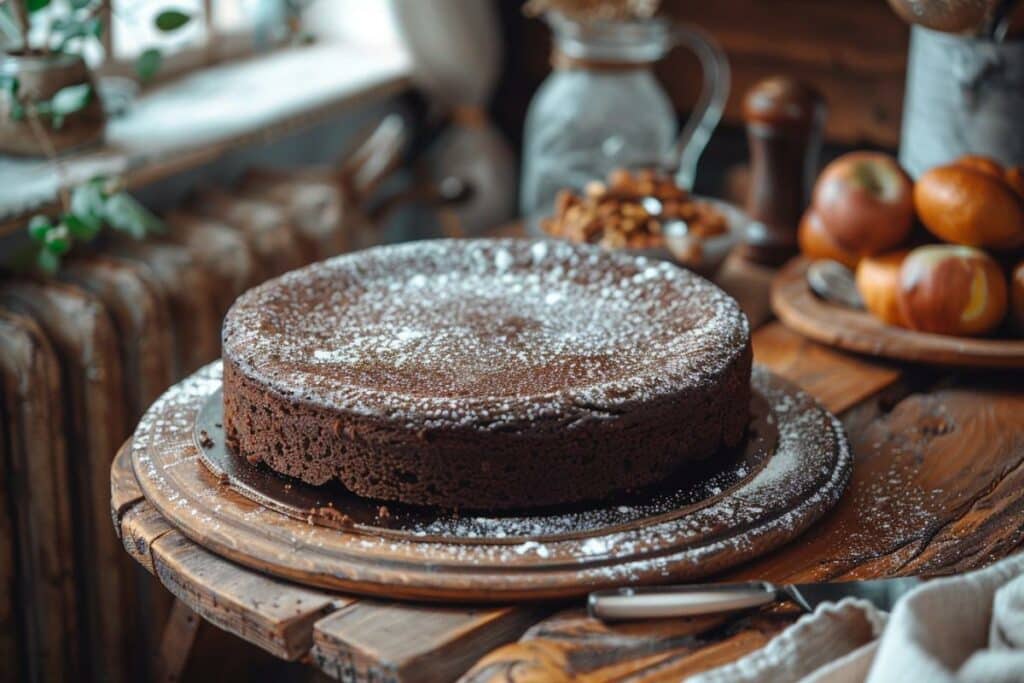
column 653, row 602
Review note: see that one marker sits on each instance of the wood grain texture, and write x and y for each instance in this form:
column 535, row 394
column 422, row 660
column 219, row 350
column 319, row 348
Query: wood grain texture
column 178, row 637
column 936, row 489
column 741, row 522
column 369, row 640
column 95, row 422
column 800, row 309
column 853, row 52
column 554, row 648
column 285, row 619
column 838, row 380
column 37, row 608
column 572, row 647
column 272, row 614
column 124, row 488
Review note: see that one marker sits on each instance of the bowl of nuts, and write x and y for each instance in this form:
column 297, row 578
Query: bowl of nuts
column 646, row 212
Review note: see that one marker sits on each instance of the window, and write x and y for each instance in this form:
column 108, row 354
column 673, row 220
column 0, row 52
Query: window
column 218, row 30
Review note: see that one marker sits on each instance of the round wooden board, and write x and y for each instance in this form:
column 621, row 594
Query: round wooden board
column 804, row 312
column 803, row 477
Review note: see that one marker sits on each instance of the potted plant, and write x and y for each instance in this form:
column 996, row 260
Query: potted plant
column 48, row 97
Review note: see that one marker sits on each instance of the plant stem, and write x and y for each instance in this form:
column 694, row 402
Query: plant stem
column 51, row 154
column 20, row 14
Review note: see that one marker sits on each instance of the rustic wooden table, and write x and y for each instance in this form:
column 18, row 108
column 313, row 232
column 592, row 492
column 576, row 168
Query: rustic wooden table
column 937, row 488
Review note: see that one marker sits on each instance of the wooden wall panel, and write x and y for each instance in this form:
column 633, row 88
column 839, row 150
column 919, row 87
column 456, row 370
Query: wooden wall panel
column 854, row 51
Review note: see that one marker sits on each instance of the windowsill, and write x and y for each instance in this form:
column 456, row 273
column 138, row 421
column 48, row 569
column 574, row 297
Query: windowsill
column 195, row 119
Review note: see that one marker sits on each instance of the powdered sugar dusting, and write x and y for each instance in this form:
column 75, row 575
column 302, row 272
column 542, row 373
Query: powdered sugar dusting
column 807, row 476
column 484, row 332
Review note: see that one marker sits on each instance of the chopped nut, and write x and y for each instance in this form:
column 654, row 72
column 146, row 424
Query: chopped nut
column 613, row 215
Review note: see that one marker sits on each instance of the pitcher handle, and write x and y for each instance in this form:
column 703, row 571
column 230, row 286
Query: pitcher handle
column 714, row 92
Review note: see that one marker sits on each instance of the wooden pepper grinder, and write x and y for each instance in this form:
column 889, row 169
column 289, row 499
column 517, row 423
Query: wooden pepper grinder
column 784, row 120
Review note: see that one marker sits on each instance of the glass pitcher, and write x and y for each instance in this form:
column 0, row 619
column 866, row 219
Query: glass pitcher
column 602, row 108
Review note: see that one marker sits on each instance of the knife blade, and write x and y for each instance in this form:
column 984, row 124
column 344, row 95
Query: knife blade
column 654, row 602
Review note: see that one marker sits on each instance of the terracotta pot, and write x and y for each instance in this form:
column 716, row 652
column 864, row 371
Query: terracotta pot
column 39, row 78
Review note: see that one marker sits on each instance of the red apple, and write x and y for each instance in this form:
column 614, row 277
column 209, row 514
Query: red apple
column 815, row 243
column 865, row 202
column 952, row 289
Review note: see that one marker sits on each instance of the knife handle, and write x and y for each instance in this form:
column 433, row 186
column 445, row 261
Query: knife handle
column 658, row 602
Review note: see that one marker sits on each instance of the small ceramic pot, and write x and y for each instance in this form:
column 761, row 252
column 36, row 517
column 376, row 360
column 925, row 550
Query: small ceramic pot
column 39, row 78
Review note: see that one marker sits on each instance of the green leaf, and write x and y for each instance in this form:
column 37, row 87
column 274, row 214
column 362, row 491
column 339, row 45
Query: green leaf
column 48, row 261
column 58, row 240
column 9, row 84
column 38, row 227
column 80, row 229
column 148, row 63
column 71, row 99
column 80, row 4
column 87, row 204
column 36, row 5
column 123, row 213
column 171, row 20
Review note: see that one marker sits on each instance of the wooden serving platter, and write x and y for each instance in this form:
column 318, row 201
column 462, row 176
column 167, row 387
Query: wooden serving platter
column 804, row 312
column 773, row 500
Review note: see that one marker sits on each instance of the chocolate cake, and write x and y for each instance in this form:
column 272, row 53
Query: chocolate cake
column 485, row 374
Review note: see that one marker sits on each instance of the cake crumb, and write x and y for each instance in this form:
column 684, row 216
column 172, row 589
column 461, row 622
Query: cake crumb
column 336, row 517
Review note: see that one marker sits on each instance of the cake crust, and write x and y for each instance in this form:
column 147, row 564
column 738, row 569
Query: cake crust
column 485, row 374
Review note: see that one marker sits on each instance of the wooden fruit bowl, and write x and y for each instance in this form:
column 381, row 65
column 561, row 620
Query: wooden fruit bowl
column 804, row 312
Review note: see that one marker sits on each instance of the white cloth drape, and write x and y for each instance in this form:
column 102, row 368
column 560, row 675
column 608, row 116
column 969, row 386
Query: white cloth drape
column 456, row 50
column 456, row 47
column 952, row 630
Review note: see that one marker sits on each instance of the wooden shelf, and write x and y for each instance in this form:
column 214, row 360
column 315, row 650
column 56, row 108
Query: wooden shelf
column 194, row 120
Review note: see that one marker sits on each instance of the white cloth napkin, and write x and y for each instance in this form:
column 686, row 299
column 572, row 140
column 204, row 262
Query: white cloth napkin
column 957, row 629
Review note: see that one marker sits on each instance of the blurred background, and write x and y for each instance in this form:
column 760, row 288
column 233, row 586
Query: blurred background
column 157, row 158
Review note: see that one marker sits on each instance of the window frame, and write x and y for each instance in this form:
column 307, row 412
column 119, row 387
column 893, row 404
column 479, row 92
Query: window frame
column 219, row 46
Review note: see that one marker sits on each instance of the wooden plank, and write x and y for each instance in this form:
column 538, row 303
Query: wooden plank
column 570, row 646
column 749, row 284
column 272, row 614
column 176, row 646
column 839, row 380
column 938, row 488
column 151, row 602
column 141, row 525
column 554, row 648
column 412, row 643
column 124, row 488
